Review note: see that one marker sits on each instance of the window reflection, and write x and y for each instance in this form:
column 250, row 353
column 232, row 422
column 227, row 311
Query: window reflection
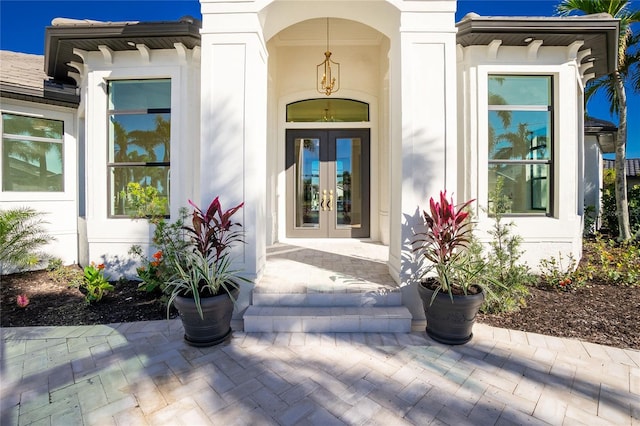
column 32, row 154
column 139, row 147
column 520, row 140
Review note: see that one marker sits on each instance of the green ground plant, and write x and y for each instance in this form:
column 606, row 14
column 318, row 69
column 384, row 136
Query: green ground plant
column 62, row 274
column 95, row 283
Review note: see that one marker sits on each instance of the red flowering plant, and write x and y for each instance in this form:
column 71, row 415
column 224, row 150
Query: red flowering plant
column 168, row 242
column 152, row 272
column 446, row 264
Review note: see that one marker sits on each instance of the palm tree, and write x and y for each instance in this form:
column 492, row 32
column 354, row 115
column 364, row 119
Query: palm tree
column 627, row 70
column 22, row 233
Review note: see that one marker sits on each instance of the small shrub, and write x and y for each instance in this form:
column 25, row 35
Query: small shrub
column 608, row 209
column 613, row 262
column 562, row 275
column 144, row 201
column 506, row 276
column 589, row 221
column 54, row 264
column 95, row 283
column 169, row 243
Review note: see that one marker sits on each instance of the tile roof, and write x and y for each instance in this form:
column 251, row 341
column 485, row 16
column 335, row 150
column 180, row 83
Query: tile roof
column 22, row 71
column 631, row 166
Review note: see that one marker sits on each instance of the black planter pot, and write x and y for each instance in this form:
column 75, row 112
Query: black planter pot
column 450, row 322
column 215, row 328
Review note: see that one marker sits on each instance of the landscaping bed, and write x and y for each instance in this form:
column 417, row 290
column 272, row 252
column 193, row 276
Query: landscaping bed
column 598, row 312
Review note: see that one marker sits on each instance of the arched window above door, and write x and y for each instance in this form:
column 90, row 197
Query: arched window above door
column 327, row 110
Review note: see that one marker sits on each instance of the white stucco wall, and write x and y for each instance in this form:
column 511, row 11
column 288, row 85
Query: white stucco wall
column 423, row 116
column 60, row 208
column 543, row 236
column 109, row 239
column 233, row 126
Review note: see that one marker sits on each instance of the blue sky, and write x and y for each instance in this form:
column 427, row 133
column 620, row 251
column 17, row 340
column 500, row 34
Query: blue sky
column 22, row 24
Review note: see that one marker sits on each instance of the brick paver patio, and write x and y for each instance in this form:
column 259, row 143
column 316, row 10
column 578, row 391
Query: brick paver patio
column 143, row 373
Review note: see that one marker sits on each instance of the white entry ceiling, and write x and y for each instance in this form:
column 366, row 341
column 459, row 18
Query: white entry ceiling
column 341, row 32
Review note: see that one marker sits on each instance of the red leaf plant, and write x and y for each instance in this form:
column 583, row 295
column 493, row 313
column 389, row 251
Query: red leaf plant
column 444, row 242
column 211, row 231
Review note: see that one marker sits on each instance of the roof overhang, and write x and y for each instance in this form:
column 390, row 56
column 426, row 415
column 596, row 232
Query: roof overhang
column 599, row 33
column 604, row 131
column 51, row 93
column 66, row 35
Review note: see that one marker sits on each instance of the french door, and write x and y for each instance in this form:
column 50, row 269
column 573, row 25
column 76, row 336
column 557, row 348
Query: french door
column 328, row 183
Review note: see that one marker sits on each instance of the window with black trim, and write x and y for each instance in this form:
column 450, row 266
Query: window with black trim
column 32, row 154
column 521, row 140
column 139, row 122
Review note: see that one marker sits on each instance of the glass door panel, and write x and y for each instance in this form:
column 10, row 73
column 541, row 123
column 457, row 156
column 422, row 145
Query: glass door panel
column 307, row 183
column 348, row 184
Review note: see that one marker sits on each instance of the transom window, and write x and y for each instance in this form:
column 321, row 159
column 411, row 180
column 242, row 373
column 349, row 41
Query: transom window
column 327, row 110
column 32, row 154
column 521, row 140
column 139, row 147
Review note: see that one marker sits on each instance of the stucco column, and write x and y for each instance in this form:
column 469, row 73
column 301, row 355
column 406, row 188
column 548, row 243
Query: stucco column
column 424, row 160
column 233, row 125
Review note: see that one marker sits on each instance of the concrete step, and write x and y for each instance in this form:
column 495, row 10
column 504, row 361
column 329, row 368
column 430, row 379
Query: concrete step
column 316, row 319
column 378, row 298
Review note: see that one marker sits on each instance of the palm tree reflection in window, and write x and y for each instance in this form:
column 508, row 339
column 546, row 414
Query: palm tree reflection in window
column 142, row 157
column 32, row 154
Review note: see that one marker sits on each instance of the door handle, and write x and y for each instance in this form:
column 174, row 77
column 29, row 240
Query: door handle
column 330, row 200
column 324, row 200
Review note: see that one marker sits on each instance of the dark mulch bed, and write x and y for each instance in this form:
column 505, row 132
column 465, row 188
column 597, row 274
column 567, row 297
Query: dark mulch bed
column 597, row 313
column 55, row 303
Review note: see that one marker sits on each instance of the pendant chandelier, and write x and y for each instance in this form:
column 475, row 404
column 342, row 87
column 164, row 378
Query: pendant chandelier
column 328, row 79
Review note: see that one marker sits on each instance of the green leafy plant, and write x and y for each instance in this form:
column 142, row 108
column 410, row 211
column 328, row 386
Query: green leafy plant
column 22, row 233
column 95, row 283
column 443, row 246
column 152, row 272
column 506, row 277
column 169, row 242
